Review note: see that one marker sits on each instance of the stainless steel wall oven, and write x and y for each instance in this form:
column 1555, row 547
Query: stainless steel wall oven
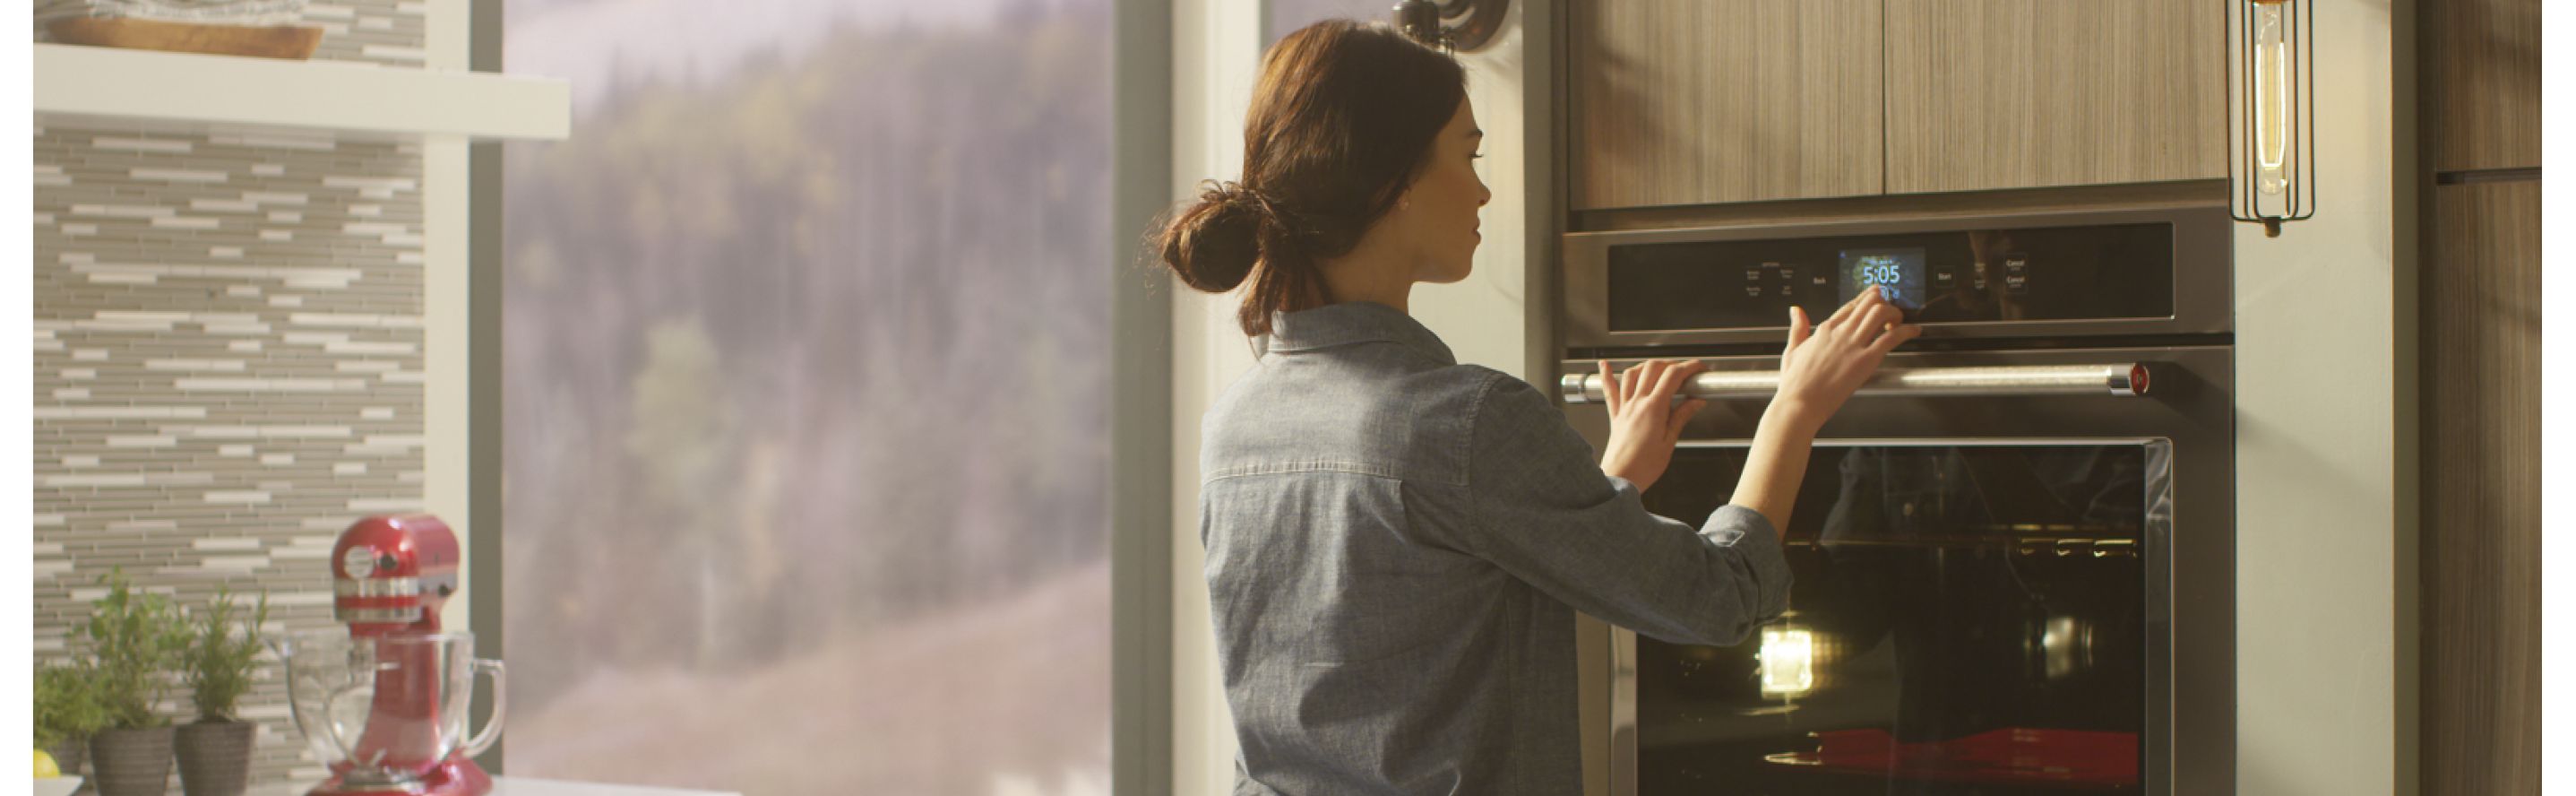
column 2013, row 550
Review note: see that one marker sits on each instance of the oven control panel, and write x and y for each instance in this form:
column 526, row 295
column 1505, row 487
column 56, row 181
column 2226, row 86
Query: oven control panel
column 2055, row 273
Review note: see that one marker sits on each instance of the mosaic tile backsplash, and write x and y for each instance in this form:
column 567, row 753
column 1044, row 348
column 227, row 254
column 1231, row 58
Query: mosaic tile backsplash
column 227, row 373
column 374, row 31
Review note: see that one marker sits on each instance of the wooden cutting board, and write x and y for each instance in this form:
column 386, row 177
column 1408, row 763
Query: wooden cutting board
column 292, row 42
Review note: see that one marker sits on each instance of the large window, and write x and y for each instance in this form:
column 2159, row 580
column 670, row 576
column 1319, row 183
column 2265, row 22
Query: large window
column 1284, row 17
column 806, row 384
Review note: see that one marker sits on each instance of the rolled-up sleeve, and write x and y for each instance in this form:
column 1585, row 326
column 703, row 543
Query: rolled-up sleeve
column 1542, row 510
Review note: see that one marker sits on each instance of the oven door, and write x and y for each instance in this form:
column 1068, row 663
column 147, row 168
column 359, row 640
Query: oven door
column 1996, row 594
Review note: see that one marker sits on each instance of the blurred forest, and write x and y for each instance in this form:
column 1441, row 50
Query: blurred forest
column 810, row 355
column 1286, row 16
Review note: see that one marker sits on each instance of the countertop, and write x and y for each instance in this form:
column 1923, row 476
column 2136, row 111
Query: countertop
column 524, row 786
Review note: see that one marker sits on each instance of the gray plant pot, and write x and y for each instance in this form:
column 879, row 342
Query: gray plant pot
column 131, row 762
column 69, row 755
column 214, row 757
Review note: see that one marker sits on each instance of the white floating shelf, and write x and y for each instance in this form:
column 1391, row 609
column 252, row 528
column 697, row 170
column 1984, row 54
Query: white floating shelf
column 77, row 82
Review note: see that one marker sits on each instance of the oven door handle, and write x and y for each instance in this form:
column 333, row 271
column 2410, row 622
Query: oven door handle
column 2126, row 379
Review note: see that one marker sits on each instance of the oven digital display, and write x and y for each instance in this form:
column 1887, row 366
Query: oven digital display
column 1897, row 272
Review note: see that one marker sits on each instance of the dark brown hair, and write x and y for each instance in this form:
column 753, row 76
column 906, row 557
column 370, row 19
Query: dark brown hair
column 1344, row 115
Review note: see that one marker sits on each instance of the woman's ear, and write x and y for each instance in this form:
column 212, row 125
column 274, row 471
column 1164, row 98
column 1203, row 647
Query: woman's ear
column 1404, row 194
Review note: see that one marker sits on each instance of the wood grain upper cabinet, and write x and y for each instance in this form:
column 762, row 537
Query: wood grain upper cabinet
column 1989, row 94
column 2484, row 62
column 2481, row 306
column 1679, row 102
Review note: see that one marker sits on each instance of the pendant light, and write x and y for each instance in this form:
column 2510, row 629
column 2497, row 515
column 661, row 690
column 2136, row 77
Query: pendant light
column 1453, row 25
column 2271, row 158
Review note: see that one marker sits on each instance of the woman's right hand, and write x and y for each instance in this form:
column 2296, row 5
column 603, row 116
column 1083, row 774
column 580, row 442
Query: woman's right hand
column 1645, row 422
column 1822, row 366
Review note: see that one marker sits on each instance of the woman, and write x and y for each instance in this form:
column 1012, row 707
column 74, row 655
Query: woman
column 1397, row 543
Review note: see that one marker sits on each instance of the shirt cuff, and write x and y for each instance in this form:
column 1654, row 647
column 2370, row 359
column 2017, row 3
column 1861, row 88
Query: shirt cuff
column 1752, row 536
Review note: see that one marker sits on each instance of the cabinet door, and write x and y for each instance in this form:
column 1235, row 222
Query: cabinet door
column 2484, row 63
column 2481, row 458
column 1988, row 94
column 1679, row 102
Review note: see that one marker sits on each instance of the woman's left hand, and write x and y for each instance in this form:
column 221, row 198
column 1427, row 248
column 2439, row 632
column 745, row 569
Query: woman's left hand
column 1645, row 424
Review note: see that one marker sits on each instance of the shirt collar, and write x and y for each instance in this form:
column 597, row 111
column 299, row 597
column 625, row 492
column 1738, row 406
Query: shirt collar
column 1351, row 322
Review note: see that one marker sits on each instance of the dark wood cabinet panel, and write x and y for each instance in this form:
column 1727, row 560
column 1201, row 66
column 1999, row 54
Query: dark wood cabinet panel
column 1682, row 102
column 2482, row 60
column 1990, row 94
column 2481, row 531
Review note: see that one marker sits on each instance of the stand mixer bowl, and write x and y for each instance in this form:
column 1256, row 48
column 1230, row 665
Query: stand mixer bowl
column 385, row 711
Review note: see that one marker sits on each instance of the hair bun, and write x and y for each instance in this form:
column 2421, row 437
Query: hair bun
column 1246, row 197
column 1213, row 244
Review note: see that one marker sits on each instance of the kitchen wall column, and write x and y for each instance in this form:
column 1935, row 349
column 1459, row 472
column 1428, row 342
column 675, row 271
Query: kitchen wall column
column 2326, row 671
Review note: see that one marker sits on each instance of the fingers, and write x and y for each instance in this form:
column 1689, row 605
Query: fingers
column 1857, row 302
column 1682, row 415
column 1799, row 330
column 1874, row 320
column 1641, row 377
column 1632, row 381
column 1871, row 315
column 1670, row 380
column 1655, row 380
column 1895, row 336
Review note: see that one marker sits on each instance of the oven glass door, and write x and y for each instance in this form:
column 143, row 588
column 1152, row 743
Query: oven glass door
column 1968, row 618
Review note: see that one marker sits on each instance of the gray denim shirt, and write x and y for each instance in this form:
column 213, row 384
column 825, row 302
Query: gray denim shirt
column 1396, row 546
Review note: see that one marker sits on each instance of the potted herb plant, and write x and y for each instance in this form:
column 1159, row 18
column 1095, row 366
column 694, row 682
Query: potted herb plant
column 214, row 750
column 133, row 642
column 67, row 713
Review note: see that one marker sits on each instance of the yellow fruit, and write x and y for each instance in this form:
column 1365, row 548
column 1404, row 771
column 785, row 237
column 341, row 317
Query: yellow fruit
column 45, row 768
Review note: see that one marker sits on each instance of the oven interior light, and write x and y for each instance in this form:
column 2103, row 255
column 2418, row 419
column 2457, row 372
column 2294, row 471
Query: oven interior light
column 1788, row 661
column 2059, row 642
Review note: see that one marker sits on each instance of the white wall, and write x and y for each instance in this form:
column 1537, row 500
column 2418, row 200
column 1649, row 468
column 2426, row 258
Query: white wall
column 1485, row 318
column 2325, row 456
column 1214, row 60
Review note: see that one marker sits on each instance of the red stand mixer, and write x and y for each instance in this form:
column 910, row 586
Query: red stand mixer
column 383, row 702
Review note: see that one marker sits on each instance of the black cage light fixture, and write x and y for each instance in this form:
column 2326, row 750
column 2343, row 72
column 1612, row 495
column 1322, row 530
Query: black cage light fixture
column 2272, row 157
column 1453, row 25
